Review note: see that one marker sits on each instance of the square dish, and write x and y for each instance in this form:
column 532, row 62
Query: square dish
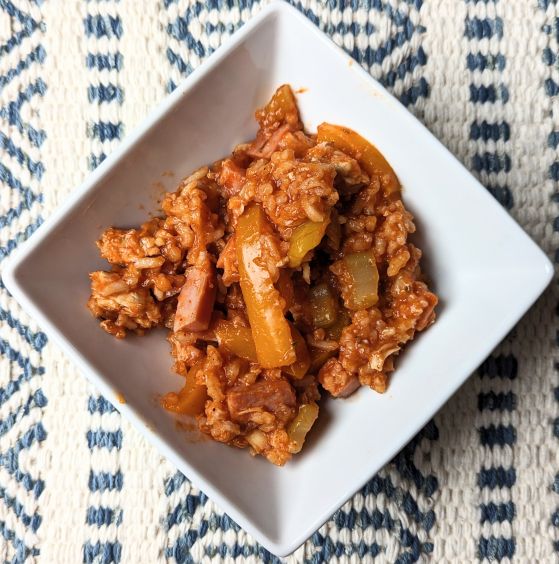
column 490, row 268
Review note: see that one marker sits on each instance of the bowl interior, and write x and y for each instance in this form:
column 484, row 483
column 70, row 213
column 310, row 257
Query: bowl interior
column 486, row 271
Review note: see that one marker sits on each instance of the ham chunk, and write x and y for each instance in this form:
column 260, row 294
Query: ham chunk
column 196, row 300
column 337, row 380
column 276, row 397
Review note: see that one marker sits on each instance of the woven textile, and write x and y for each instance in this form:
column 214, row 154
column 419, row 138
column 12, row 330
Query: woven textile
column 479, row 482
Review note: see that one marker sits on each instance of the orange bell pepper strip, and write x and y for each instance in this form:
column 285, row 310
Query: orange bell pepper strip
column 370, row 158
column 270, row 329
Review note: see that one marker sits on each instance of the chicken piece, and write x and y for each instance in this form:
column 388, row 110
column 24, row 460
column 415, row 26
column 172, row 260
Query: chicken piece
column 231, row 177
column 428, row 315
column 346, row 167
column 228, row 262
column 120, row 246
column 297, row 142
column 263, row 147
column 337, row 380
column 196, row 300
column 120, row 307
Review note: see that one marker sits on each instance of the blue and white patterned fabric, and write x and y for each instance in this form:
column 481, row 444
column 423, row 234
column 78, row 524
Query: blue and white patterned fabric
column 479, row 482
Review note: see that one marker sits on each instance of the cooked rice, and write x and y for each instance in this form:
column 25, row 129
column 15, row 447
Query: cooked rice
column 294, row 179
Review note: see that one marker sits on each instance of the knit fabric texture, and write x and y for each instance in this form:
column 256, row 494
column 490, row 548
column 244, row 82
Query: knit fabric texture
column 479, row 483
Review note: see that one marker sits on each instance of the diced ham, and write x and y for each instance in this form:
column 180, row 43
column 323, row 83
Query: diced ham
column 337, row 380
column 196, row 300
column 273, row 396
column 264, row 147
column 231, row 177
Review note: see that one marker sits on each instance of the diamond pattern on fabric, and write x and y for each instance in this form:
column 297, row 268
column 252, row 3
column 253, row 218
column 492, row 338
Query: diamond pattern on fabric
column 482, row 74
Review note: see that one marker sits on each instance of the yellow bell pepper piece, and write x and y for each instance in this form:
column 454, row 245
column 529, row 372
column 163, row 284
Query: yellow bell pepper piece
column 270, row 329
column 304, row 238
column 191, row 399
column 318, row 358
column 342, row 321
column 324, row 306
column 300, row 367
column 301, row 425
column 236, row 339
column 361, row 290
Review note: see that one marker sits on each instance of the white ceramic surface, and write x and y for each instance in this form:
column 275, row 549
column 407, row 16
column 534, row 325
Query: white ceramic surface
column 486, row 271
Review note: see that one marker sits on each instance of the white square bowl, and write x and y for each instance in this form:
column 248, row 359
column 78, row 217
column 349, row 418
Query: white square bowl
column 485, row 269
